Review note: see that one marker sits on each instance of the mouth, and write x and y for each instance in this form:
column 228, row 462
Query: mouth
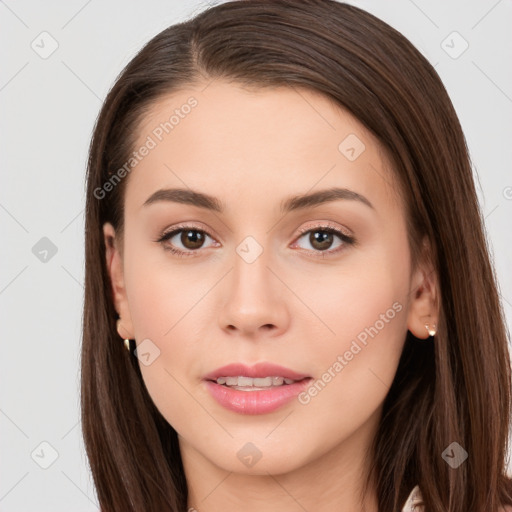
column 243, row 383
column 258, row 389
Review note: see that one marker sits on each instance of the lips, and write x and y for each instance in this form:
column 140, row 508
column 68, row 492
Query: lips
column 260, row 401
column 250, row 399
column 259, row 370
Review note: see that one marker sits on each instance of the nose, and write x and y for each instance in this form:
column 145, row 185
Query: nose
column 254, row 299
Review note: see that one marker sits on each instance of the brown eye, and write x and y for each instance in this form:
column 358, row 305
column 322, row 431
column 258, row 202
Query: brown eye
column 322, row 239
column 192, row 238
column 184, row 241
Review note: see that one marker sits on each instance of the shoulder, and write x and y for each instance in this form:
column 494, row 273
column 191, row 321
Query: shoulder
column 414, row 503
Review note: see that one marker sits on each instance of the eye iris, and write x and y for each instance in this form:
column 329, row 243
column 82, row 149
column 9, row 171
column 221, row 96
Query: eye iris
column 192, row 239
column 320, row 240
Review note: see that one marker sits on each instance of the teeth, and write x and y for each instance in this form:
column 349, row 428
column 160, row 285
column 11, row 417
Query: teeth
column 260, row 382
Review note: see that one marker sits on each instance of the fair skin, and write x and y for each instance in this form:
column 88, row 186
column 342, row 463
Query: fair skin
column 291, row 306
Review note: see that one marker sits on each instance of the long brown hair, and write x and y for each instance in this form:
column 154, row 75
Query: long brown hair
column 455, row 389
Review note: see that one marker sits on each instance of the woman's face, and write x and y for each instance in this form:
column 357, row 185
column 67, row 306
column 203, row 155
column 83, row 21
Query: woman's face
column 258, row 279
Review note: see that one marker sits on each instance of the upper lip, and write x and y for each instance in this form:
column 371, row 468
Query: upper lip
column 258, row 370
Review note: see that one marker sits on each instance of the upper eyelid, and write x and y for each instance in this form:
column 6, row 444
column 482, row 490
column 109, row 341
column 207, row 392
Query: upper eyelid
column 301, row 231
column 183, row 227
column 327, row 225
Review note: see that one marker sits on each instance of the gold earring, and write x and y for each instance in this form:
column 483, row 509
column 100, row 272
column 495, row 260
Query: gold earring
column 126, row 341
column 431, row 329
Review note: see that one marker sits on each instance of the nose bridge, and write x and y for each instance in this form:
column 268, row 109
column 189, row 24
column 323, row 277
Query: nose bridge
column 251, row 276
column 253, row 298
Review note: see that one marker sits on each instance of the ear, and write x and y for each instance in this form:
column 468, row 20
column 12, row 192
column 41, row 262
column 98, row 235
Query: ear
column 424, row 292
column 114, row 262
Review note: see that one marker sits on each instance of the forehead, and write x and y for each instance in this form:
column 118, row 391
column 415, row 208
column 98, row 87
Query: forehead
column 265, row 143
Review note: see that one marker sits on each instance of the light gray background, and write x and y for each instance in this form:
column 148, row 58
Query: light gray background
column 48, row 109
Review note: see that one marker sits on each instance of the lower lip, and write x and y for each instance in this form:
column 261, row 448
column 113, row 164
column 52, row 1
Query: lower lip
column 255, row 402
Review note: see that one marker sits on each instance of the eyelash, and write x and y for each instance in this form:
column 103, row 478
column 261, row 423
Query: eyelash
column 326, row 228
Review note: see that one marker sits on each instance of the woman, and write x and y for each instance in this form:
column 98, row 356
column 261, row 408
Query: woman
column 283, row 227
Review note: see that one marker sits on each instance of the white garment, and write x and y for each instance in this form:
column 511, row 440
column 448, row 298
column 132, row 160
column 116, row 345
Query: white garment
column 413, row 501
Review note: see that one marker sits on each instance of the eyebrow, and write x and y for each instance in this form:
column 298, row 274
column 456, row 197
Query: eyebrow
column 299, row 202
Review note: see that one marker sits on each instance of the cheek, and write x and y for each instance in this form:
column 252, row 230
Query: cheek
column 167, row 316
column 363, row 324
column 359, row 298
column 355, row 359
column 162, row 293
